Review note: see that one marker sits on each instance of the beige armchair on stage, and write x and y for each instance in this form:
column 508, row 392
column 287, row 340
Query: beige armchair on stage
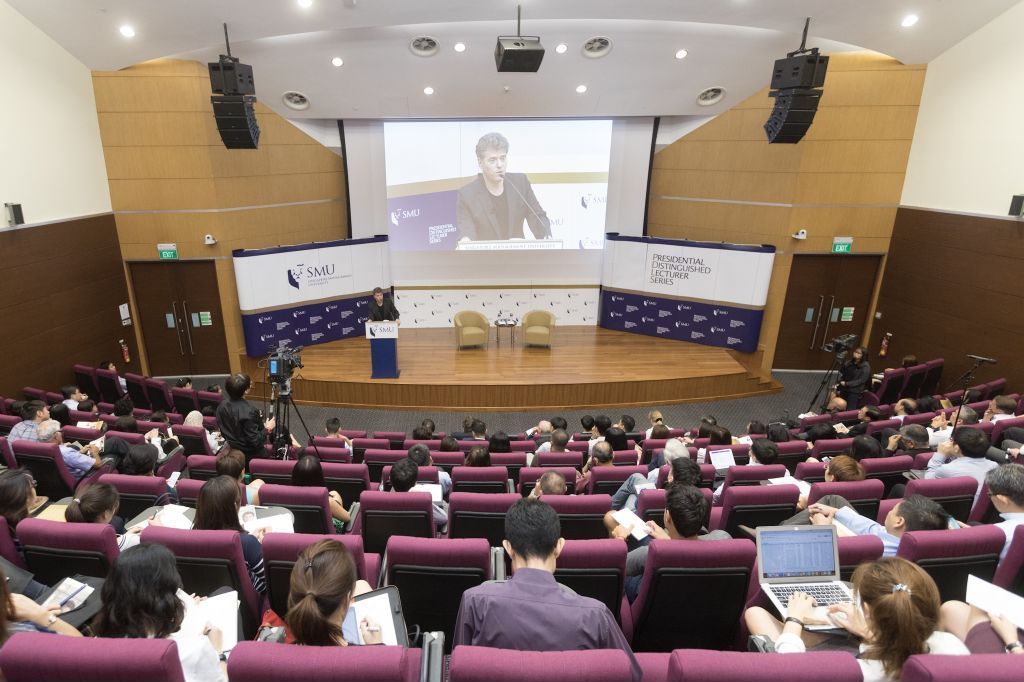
column 538, row 326
column 471, row 329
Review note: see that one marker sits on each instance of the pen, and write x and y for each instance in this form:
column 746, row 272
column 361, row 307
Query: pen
column 71, row 596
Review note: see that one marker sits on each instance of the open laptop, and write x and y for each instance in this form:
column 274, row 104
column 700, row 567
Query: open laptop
column 801, row 559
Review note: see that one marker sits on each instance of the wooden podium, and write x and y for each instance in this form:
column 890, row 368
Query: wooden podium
column 383, row 338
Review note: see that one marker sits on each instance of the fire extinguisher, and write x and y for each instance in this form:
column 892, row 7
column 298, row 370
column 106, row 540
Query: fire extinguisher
column 125, row 353
column 884, row 350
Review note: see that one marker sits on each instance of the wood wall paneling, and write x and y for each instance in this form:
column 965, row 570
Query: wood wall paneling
column 62, row 284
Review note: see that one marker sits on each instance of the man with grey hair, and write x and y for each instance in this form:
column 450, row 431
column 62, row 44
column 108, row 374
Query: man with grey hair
column 1006, row 489
column 78, row 462
column 486, row 211
column 911, row 439
column 941, row 429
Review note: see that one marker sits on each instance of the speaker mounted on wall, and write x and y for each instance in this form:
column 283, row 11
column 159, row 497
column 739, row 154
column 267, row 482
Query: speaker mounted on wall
column 14, row 215
column 1017, row 206
column 233, row 100
column 797, row 83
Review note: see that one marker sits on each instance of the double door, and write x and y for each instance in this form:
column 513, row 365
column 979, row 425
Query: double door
column 179, row 310
column 827, row 296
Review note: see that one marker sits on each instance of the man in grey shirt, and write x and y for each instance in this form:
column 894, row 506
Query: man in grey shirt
column 685, row 511
column 532, row 612
column 964, row 455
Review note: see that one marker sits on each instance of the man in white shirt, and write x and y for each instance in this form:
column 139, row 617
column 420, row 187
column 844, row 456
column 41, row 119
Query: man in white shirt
column 904, row 407
column 602, row 423
column 72, row 396
column 557, row 443
column 762, row 451
column 1000, row 407
column 941, row 429
column 964, row 455
column 1006, row 489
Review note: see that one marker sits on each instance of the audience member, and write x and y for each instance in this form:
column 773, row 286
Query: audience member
column 655, row 417
column 33, row 413
column 911, row 439
column 616, row 437
column 108, row 365
column 928, row 403
column 854, row 375
column 681, row 470
column 756, row 428
column 915, row 512
column 124, row 407
column 467, row 430
column 404, row 474
column 240, row 423
column 866, row 415
column 626, row 423
column 61, row 414
column 421, row 433
column 321, row 589
column 499, row 442
column 478, row 456
column 819, row 432
column 18, row 613
column 88, row 406
column 557, row 443
column 98, row 503
column 865, row 447
column 78, row 462
column 778, row 433
column 903, row 408
column 420, row 454
column 999, row 408
column 1006, row 490
column 195, row 419
column 762, row 452
column 310, row 474
column 587, row 426
column 559, row 423
column 231, row 463
column 217, row 509
column 686, row 508
column 17, row 497
column 540, row 432
column 839, row 469
column 72, row 396
column 478, row 430
column 140, row 600
column 601, row 456
column 549, row 483
column 430, row 426
column 598, row 432
column 896, row 617
column 964, row 455
column 183, row 382
column 531, row 611
column 941, row 429
column 449, row 444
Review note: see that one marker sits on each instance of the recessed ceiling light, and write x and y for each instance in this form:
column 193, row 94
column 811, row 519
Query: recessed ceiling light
column 581, row 89
column 337, row 61
column 305, row 4
column 460, row 47
column 428, row 90
column 561, row 48
column 909, row 20
column 681, row 54
column 127, row 31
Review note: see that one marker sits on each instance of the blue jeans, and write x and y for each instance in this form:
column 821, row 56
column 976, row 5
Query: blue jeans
column 626, row 496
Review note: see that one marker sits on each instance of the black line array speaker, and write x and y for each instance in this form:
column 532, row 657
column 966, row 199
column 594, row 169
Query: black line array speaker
column 236, row 121
column 792, row 116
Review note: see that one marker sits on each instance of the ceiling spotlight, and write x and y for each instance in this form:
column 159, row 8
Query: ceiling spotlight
column 581, row 89
column 681, row 54
column 909, row 20
column 337, row 61
column 428, row 90
column 127, row 31
column 561, row 48
column 304, row 4
column 459, row 47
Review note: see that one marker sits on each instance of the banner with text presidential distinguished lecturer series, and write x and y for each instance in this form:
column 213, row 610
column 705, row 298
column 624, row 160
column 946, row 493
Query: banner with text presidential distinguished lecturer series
column 308, row 294
column 709, row 293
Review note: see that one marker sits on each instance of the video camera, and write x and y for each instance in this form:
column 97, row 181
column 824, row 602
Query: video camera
column 841, row 344
column 282, row 362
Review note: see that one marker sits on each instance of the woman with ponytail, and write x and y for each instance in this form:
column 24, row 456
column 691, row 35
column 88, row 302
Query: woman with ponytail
column 323, row 584
column 898, row 617
column 98, row 503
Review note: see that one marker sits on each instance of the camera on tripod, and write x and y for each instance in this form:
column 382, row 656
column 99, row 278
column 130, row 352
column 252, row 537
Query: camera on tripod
column 841, row 344
column 282, row 362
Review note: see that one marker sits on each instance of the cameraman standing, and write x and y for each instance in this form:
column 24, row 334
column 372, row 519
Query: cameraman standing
column 854, row 376
column 240, row 423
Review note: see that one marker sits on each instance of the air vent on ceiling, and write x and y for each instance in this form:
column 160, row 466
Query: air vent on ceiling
column 710, row 96
column 423, row 46
column 295, row 100
column 597, row 47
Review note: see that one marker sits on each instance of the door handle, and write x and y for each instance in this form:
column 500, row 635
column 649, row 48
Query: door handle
column 817, row 322
column 187, row 330
column 177, row 331
column 828, row 322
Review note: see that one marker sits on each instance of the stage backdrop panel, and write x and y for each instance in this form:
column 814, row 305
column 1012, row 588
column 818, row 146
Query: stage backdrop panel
column 310, row 293
column 436, row 307
column 710, row 293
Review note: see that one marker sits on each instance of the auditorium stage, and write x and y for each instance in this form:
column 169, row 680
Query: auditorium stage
column 586, row 366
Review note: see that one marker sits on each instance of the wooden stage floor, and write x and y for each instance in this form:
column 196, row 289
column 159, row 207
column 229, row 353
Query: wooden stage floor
column 586, row 366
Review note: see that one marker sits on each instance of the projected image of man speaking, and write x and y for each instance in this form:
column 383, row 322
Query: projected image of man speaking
column 495, row 204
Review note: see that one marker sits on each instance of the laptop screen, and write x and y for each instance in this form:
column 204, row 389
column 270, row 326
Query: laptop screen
column 797, row 552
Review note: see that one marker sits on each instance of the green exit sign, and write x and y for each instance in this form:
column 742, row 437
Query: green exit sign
column 167, row 251
column 842, row 244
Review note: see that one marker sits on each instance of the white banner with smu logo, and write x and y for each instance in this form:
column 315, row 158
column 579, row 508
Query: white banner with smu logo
column 310, row 293
column 710, row 293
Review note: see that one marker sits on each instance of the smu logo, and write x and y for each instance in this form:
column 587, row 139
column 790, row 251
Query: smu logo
column 614, row 314
column 681, row 307
column 295, row 275
column 297, row 313
column 263, row 318
column 719, row 311
column 682, row 324
column 646, row 319
column 648, row 302
column 331, row 325
column 300, row 272
column 715, row 330
column 618, row 298
column 401, row 214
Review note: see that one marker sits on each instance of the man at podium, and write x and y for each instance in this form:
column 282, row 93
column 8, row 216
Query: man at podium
column 382, row 310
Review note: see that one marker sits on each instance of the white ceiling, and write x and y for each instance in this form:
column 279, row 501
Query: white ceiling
column 731, row 44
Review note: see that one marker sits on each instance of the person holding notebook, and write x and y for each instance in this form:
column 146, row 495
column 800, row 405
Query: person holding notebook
column 898, row 618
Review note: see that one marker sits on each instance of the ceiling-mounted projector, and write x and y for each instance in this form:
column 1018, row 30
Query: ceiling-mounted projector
column 518, row 53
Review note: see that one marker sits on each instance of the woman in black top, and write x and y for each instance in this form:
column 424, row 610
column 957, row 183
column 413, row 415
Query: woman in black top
column 854, row 376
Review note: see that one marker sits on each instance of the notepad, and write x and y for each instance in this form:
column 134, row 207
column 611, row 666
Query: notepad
column 435, row 490
column 804, row 486
column 55, row 512
column 995, row 600
column 646, row 485
column 637, row 528
column 68, row 595
column 220, row 611
column 745, row 440
column 274, row 523
column 722, row 459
